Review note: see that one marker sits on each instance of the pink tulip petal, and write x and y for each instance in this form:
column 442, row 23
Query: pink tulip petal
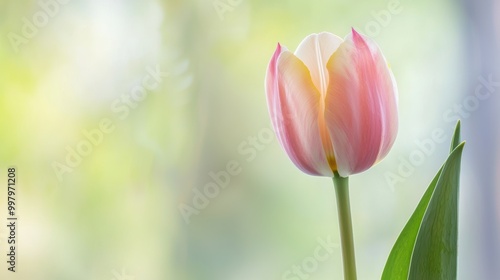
column 272, row 85
column 294, row 108
column 314, row 51
column 361, row 105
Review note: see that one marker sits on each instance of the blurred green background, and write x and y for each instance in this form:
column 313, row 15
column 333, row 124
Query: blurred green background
column 115, row 210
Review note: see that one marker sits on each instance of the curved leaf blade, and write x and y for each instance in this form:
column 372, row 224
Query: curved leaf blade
column 435, row 252
column 455, row 140
column 400, row 257
column 398, row 263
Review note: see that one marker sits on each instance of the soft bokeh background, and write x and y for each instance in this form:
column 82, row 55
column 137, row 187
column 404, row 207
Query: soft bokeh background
column 116, row 214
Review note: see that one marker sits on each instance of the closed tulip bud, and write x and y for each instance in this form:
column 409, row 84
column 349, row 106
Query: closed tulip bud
column 333, row 103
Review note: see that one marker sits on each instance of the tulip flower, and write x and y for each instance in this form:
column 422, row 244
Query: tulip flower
column 333, row 103
column 333, row 106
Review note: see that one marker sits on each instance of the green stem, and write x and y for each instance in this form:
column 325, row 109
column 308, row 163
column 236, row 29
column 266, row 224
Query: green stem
column 344, row 211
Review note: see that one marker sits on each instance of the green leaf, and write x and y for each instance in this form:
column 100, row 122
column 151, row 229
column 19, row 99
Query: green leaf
column 435, row 252
column 455, row 140
column 427, row 246
column 398, row 264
